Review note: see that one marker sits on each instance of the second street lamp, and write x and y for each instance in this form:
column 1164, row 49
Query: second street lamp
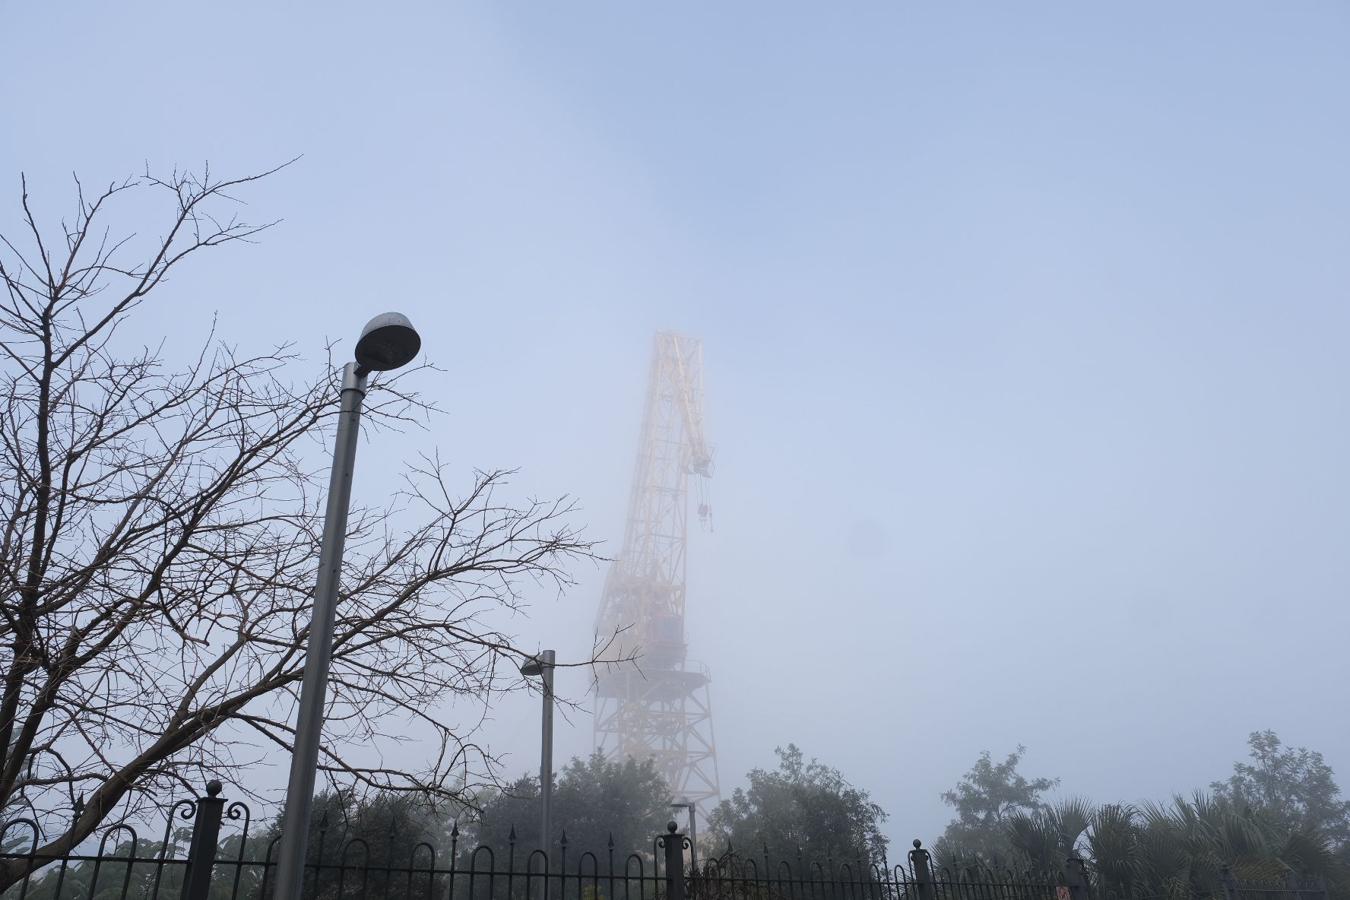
column 387, row 342
column 542, row 666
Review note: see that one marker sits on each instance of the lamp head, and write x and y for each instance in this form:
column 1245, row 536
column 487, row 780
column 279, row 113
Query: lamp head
column 388, row 341
column 538, row 664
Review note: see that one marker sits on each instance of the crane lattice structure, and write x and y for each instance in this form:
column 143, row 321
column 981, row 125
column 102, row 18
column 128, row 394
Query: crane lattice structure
column 659, row 707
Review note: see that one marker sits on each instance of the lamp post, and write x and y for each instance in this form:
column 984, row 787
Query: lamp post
column 542, row 665
column 388, row 341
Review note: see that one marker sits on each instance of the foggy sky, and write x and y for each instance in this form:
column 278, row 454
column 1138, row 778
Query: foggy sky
column 1024, row 329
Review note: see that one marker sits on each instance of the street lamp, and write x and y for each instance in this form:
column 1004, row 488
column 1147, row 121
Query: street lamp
column 541, row 666
column 388, row 341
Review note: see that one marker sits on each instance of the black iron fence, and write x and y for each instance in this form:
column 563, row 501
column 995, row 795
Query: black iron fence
column 125, row 865
column 1290, row 887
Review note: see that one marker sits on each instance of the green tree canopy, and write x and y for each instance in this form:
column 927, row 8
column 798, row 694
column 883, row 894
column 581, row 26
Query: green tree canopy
column 1279, row 814
column 381, row 830
column 985, row 800
column 801, row 807
column 594, row 800
column 1292, row 787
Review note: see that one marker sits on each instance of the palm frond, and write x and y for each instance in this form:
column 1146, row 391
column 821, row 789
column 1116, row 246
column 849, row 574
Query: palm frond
column 1072, row 818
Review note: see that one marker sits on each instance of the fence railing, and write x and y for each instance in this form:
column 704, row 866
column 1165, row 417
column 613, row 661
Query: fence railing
column 126, row 866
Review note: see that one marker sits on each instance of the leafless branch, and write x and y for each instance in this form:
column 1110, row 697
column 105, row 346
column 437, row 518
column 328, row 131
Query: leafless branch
column 158, row 543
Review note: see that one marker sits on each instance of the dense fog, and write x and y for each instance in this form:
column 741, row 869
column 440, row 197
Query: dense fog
column 1023, row 335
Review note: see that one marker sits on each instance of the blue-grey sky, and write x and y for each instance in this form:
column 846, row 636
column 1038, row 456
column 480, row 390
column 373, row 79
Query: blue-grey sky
column 1024, row 325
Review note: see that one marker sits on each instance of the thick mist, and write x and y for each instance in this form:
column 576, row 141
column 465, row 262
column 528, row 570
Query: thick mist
column 1023, row 329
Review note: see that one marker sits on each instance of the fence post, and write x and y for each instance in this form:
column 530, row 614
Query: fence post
column 201, row 858
column 674, row 843
column 1075, row 876
column 920, row 861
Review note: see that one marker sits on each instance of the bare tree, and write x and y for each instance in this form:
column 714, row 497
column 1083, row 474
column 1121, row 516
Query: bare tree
column 159, row 528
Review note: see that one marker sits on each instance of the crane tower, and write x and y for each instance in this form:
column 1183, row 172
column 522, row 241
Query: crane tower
column 659, row 707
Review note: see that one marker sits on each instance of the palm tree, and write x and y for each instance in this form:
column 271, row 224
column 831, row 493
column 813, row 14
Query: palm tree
column 1046, row 838
column 1113, row 846
column 1186, row 849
